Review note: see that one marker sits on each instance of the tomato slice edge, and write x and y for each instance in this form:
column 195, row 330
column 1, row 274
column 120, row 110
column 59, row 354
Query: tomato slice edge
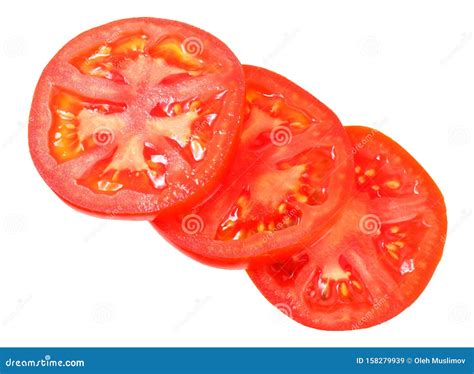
column 388, row 305
column 132, row 205
column 235, row 254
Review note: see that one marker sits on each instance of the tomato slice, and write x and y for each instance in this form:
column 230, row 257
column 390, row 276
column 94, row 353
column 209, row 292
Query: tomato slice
column 287, row 183
column 380, row 254
column 137, row 117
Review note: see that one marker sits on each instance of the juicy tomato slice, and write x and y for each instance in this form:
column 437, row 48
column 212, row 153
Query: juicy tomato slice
column 287, row 183
column 137, row 117
column 380, row 254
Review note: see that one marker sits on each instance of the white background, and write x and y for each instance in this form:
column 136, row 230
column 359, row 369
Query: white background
column 74, row 280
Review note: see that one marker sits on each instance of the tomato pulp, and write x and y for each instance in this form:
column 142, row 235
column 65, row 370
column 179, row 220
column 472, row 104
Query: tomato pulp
column 137, row 117
column 379, row 255
column 287, row 183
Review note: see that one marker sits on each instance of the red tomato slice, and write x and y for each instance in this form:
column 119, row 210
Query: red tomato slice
column 288, row 181
column 137, row 117
column 380, row 254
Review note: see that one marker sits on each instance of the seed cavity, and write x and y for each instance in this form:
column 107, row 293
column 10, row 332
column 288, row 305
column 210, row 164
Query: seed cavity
column 335, row 283
column 286, row 272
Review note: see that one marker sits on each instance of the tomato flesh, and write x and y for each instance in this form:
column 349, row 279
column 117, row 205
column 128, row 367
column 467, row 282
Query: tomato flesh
column 137, row 118
column 379, row 255
column 285, row 185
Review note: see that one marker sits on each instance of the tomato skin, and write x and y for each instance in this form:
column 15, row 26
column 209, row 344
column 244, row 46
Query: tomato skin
column 262, row 248
column 128, row 204
column 388, row 289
